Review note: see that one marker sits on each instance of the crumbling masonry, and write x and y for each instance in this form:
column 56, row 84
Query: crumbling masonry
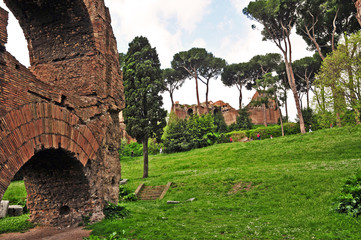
column 59, row 121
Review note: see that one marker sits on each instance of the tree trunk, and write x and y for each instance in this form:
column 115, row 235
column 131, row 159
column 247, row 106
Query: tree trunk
column 307, row 91
column 286, row 106
column 281, row 120
column 207, row 89
column 291, row 80
column 171, row 99
column 358, row 7
column 264, row 115
column 199, row 104
column 145, row 157
column 240, row 97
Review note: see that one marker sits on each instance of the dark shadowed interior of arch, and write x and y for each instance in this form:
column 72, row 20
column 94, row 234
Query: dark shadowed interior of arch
column 54, row 29
column 57, row 188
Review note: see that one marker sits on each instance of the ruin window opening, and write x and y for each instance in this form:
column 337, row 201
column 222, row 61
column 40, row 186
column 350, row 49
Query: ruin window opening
column 190, row 112
column 64, row 210
column 16, row 44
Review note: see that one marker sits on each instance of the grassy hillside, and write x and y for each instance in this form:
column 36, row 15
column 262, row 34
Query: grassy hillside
column 281, row 188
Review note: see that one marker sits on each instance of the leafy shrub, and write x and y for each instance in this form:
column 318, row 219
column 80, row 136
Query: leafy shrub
column 243, row 120
column 126, row 194
column 210, row 138
column 183, row 135
column 15, row 224
column 275, row 131
column 349, row 200
column 219, row 123
column 115, row 211
column 198, row 127
column 223, row 138
column 154, row 146
column 176, row 136
column 127, row 149
column 236, row 136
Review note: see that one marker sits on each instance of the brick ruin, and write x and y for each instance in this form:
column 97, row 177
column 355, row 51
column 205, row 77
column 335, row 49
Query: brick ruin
column 229, row 113
column 256, row 112
column 59, row 123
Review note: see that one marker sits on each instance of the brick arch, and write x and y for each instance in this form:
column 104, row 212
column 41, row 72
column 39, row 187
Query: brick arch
column 38, row 126
column 68, row 99
column 63, row 23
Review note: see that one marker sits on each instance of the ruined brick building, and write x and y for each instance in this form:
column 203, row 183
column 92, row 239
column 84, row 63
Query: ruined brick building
column 229, row 113
column 59, row 121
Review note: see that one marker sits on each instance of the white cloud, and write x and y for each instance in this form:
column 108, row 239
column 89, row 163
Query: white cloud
column 199, row 43
column 163, row 22
column 239, row 4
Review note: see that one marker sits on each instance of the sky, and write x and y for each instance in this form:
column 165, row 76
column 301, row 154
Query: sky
column 172, row 26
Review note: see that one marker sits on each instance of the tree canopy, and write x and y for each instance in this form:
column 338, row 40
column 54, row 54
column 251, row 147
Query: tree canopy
column 191, row 63
column 278, row 18
column 143, row 115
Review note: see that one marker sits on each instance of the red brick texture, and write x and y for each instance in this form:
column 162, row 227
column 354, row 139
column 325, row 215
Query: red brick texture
column 67, row 101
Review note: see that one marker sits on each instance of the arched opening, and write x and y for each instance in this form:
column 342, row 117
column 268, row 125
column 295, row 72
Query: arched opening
column 57, row 188
column 55, row 30
column 190, row 112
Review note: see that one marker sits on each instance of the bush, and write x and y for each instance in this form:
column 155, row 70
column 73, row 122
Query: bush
column 137, row 148
column 183, row 135
column 176, row 137
column 115, row 211
column 127, row 149
column 275, row 131
column 154, row 146
column 243, row 120
column 236, row 136
column 126, row 195
column 219, row 123
column 349, row 200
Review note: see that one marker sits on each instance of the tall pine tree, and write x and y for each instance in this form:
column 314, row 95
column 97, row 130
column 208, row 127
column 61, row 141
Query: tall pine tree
column 143, row 115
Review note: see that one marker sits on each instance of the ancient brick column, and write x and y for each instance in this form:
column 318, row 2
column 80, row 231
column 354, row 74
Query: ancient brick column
column 59, row 119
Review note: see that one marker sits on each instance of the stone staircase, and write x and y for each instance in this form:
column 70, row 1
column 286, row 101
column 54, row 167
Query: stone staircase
column 151, row 192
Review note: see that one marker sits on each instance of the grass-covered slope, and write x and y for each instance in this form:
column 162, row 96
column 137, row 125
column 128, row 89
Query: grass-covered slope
column 293, row 182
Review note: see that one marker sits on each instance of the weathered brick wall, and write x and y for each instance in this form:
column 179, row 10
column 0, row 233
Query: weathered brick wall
column 257, row 112
column 228, row 112
column 68, row 100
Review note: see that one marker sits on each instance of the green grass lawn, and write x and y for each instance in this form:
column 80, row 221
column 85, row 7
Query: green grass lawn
column 294, row 181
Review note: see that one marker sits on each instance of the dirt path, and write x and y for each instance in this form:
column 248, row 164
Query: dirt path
column 48, row 233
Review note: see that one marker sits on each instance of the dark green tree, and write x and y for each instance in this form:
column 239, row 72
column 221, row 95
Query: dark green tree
column 211, row 69
column 243, row 120
column 237, row 74
column 121, row 58
column 143, row 115
column 191, row 63
column 305, row 70
column 173, row 80
column 283, row 87
column 219, row 123
column 321, row 23
column 278, row 19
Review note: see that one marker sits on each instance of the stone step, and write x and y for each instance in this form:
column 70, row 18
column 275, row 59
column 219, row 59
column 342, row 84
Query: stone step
column 15, row 210
column 4, row 205
column 151, row 192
